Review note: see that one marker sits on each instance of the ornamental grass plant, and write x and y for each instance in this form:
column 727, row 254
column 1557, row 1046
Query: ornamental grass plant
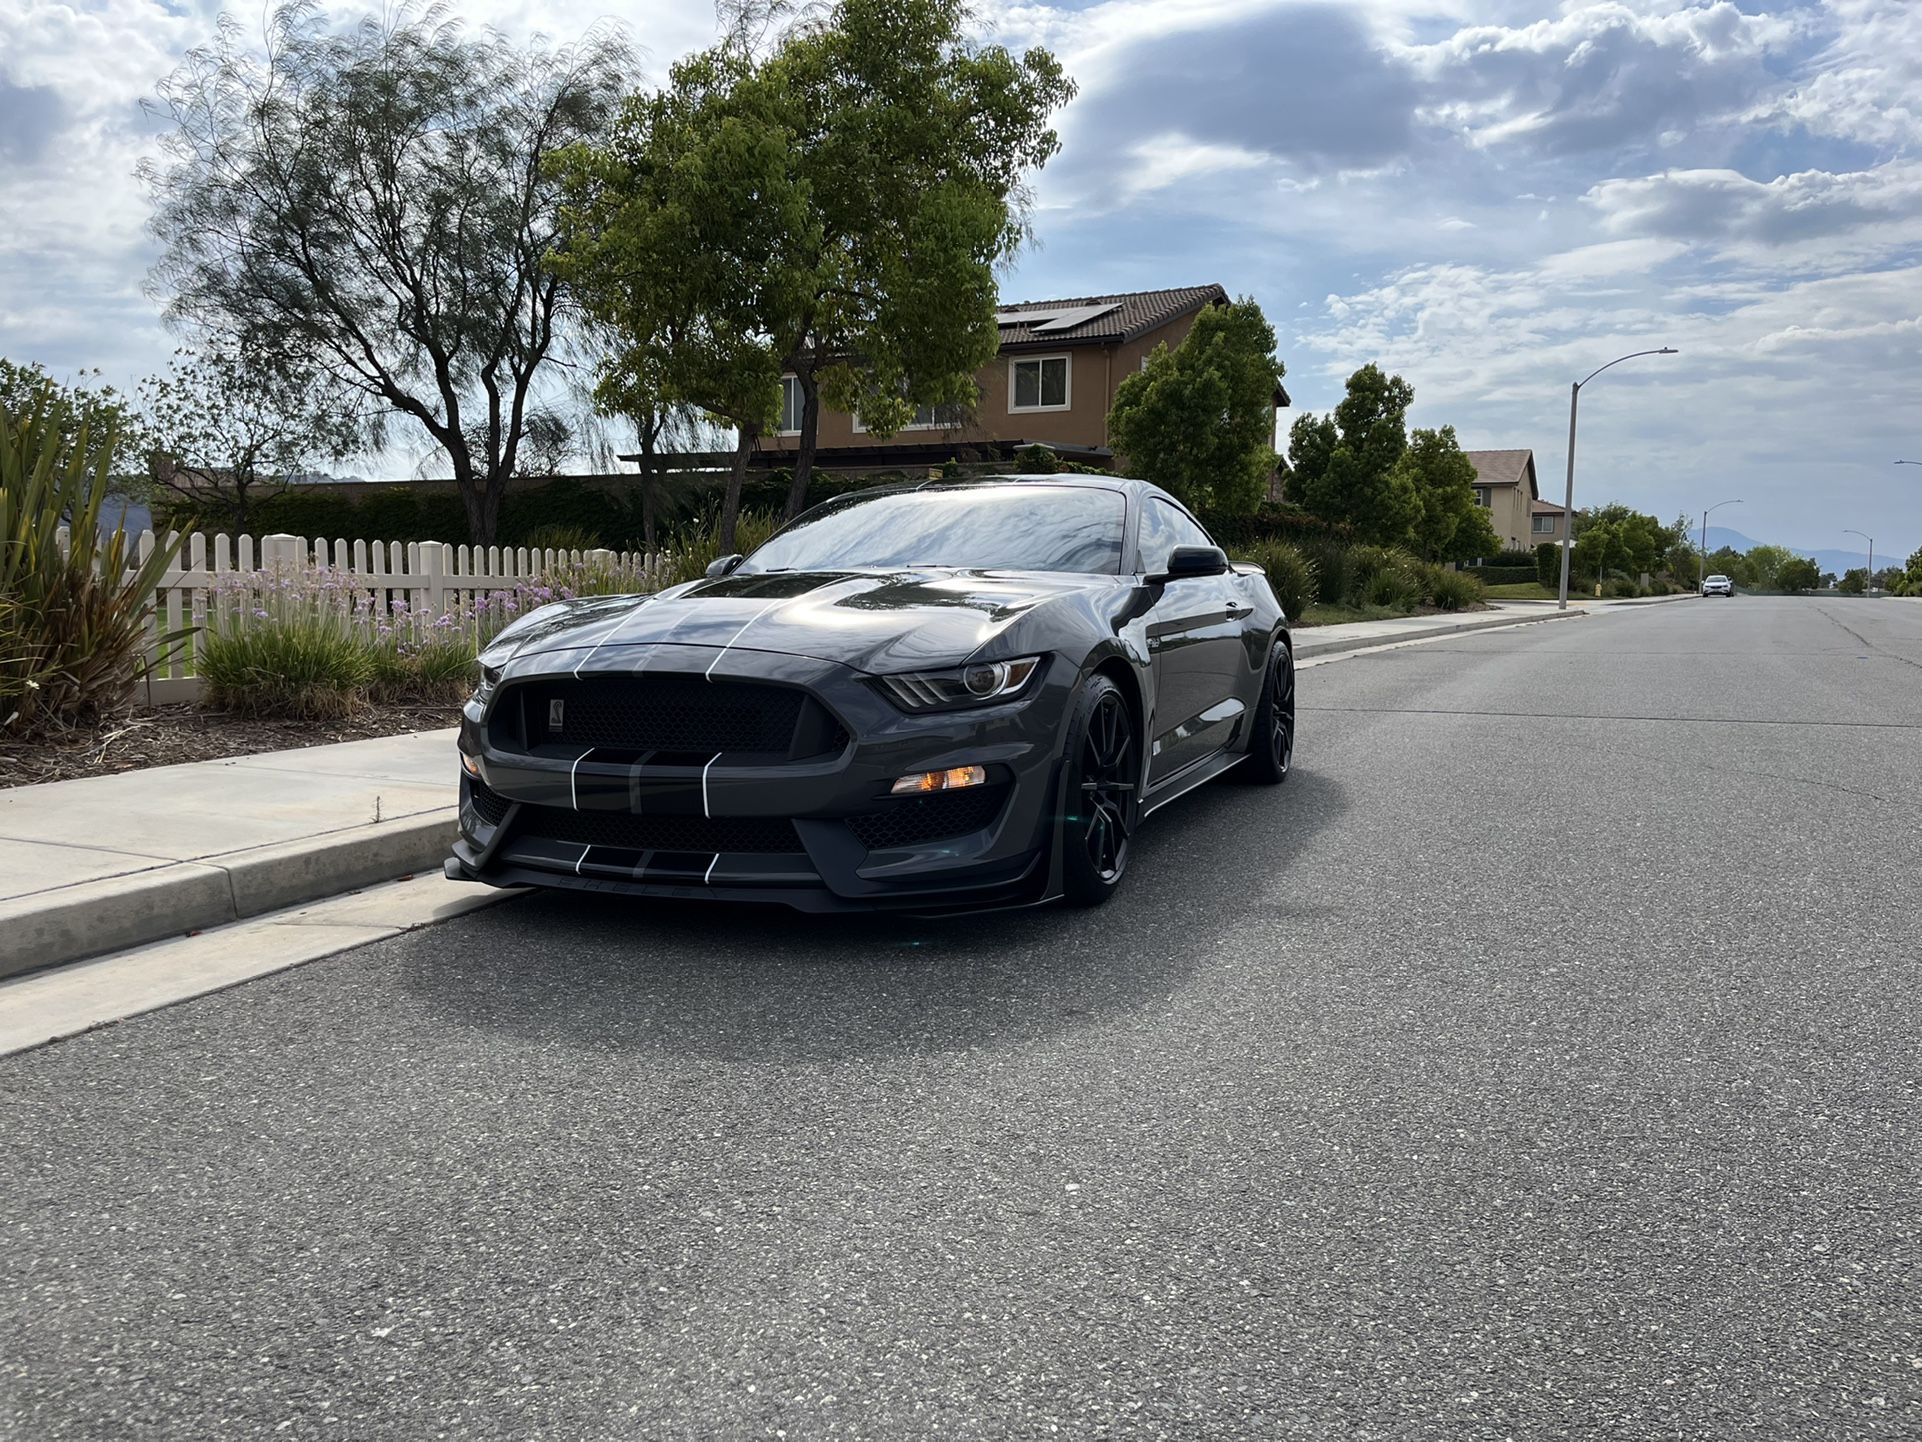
column 75, row 603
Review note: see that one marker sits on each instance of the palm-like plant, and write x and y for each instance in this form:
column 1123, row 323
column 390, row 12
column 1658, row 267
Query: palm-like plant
column 73, row 609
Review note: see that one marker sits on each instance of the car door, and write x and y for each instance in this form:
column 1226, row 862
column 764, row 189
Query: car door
column 1194, row 639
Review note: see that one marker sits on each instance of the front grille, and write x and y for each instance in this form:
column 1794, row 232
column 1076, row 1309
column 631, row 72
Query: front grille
column 764, row 834
column 928, row 818
column 668, row 714
column 489, row 804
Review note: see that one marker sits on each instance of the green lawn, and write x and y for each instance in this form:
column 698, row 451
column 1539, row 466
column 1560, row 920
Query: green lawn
column 1530, row 591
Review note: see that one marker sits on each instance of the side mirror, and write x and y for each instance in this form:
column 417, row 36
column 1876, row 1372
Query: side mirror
column 723, row 565
column 1185, row 562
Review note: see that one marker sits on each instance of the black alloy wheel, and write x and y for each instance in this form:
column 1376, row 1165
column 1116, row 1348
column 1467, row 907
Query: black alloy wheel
column 1104, row 775
column 1271, row 746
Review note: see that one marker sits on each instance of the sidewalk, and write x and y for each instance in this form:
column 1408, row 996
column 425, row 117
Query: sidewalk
column 1367, row 635
column 111, row 862
column 107, row 862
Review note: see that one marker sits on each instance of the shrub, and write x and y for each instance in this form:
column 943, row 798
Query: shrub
column 73, row 619
column 1505, row 575
column 306, row 663
column 1333, row 563
column 1290, row 572
column 1548, row 564
column 1457, row 591
column 1394, row 586
column 1621, row 589
column 411, row 672
column 1272, row 521
column 561, row 537
column 1513, row 558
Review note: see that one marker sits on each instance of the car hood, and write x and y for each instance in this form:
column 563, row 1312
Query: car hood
column 875, row 621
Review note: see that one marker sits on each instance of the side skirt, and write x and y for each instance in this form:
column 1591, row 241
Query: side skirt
column 1180, row 784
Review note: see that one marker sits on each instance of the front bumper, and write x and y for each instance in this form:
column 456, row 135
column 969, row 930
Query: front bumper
column 817, row 832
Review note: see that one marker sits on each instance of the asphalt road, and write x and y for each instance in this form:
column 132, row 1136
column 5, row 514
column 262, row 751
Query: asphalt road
column 1540, row 1062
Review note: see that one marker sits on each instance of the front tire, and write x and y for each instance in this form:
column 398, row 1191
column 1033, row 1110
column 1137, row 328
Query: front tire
column 1271, row 742
column 1103, row 780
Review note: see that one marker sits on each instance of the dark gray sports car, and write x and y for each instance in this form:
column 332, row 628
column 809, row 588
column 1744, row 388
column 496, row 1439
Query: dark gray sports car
column 924, row 697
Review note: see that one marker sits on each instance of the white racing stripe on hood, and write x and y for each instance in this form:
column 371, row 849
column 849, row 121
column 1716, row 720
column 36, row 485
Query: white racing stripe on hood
column 709, row 673
column 646, row 601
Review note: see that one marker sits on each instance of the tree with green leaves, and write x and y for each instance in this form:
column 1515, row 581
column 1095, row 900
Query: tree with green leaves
column 1908, row 581
column 1624, row 540
column 79, row 406
column 1346, row 465
column 684, row 228
column 1765, row 565
column 1199, row 419
column 1799, row 573
column 225, row 428
column 912, row 145
column 1854, row 581
column 1451, row 526
column 378, row 199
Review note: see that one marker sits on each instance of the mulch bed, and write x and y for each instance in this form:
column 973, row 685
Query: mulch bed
column 165, row 735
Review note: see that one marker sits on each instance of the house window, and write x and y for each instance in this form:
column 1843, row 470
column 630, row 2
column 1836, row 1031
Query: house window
column 790, row 406
column 1481, row 497
column 1038, row 383
column 1544, row 525
column 948, row 417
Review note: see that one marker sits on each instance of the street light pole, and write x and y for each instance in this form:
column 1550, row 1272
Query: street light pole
column 1868, row 590
column 1702, row 576
column 1568, row 496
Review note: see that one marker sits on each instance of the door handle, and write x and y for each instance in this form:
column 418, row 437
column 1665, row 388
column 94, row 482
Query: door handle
column 1236, row 612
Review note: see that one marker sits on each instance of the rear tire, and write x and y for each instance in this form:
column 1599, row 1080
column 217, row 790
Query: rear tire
column 1103, row 779
column 1271, row 741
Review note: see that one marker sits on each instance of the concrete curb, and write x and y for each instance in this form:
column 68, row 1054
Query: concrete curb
column 1306, row 645
column 114, row 913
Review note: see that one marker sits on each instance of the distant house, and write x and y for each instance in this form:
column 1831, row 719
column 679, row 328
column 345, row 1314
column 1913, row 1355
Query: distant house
column 1505, row 488
column 1547, row 522
column 1052, row 383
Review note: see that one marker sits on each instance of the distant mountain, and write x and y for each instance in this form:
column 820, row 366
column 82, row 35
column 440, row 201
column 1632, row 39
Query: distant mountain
column 1836, row 561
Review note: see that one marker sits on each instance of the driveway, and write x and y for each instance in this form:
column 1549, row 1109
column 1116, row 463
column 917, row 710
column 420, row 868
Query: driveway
column 1540, row 1062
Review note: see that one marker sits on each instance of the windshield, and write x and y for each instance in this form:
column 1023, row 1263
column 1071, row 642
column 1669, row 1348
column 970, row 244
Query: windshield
column 999, row 528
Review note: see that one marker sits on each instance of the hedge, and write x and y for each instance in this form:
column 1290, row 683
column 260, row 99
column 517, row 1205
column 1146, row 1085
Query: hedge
column 1271, row 521
column 1503, row 575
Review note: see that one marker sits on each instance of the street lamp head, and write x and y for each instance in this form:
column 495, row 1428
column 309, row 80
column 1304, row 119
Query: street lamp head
column 1668, row 350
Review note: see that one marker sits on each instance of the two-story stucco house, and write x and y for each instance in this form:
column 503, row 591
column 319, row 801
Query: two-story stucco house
column 1505, row 488
column 1052, row 383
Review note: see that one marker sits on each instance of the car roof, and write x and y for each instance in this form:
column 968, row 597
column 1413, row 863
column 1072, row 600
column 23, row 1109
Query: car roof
column 1125, row 485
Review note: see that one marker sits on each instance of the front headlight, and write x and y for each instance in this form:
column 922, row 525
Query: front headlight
column 977, row 684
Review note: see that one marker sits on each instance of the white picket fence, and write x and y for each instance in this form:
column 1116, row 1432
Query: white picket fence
column 428, row 578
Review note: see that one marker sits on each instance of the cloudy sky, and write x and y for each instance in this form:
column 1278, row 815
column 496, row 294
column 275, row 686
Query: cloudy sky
column 1491, row 197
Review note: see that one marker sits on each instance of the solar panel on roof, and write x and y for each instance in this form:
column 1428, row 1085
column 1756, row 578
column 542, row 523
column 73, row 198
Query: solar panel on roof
column 1044, row 321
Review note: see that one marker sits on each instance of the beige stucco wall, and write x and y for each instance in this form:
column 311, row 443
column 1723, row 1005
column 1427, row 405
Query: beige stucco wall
column 1535, row 537
column 1508, row 512
column 1094, row 372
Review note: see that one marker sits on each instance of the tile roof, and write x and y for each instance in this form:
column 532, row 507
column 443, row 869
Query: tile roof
column 1544, row 508
column 1500, row 468
column 1117, row 318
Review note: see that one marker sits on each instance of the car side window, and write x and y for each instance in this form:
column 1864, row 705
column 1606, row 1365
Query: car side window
column 1163, row 527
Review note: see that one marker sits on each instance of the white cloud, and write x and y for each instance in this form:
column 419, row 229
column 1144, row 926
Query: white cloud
column 1600, row 74
column 1170, row 159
